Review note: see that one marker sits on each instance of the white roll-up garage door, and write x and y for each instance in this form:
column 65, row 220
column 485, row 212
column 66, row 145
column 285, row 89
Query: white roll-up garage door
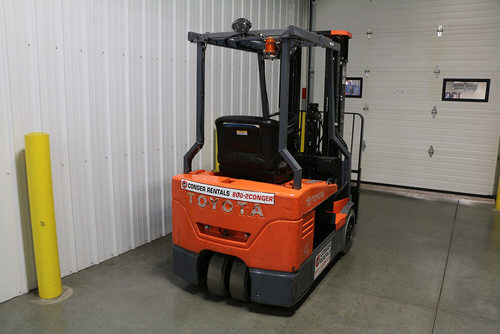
column 407, row 61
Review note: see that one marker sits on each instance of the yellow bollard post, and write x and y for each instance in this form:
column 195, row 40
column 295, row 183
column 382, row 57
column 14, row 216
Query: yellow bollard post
column 43, row 222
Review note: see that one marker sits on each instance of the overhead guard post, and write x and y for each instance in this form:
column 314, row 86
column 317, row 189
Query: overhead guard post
column 263, row 87
column 200, row 108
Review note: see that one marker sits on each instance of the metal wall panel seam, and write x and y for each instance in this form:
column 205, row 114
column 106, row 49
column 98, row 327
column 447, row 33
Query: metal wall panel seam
column 118, row 125
column 206, row 23
column 72, row 134
column 160, row 123
column 93, row 133
column 231, row 75
column 197, row 25
column 243, row 61
column 187, row 124
column 102, row 193
column 140, row 220
column 255, row 104
column 128, row 131
column 145, row 120
column 165, row 109
column 89, row 173
column 158, row 207
column 116, row 169
column 213, row 64
column 109, row 152
column 173, row 113
column 88, row 237
column 175, row 150
column 221, row 67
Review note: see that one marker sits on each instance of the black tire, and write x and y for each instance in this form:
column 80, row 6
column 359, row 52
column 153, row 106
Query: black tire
column 217, row 275
column 349, row 232
column 239, row 281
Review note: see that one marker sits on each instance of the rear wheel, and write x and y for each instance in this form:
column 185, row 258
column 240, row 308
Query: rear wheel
column 217, row 275
column 239, row 281
column 349, row 232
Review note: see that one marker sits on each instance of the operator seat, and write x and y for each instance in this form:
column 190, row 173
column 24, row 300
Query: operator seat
column 248, row 148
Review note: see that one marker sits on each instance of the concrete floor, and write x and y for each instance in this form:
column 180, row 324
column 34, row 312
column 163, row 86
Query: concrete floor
column 416, row 266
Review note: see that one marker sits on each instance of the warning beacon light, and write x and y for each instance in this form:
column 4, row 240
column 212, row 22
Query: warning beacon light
column 241, row 25
column 270, row 50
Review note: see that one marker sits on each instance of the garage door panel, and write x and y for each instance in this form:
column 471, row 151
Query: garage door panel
column 399, row 163
column 420, row 152
column 424, row 126
column 471, row 187
column 424, row 181
column 444, row 116
column 434, row 165
column 436, row 142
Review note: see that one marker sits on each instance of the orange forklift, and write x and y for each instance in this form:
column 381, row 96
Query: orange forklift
column 281, row 207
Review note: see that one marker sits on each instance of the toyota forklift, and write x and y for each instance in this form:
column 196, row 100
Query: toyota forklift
column 281, row 207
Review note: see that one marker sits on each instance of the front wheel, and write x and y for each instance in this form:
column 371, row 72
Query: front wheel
column 349, row 232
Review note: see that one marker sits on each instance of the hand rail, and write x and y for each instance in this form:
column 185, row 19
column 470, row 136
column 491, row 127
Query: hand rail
column 360, row 152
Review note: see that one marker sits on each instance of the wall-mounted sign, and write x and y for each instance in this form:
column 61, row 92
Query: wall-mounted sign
column 466, row 90
column 353, row 87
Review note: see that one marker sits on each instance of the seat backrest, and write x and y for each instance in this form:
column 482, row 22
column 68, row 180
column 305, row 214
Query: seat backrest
column 248, row 148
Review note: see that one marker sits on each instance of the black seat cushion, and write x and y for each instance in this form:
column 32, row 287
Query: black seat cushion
column 248, row 148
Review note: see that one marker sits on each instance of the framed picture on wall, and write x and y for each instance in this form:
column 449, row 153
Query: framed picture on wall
column 466, row 90
column 353, row 87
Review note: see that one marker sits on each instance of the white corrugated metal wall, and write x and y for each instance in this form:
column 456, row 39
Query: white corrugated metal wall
column 112, row 82
column 401, row 89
